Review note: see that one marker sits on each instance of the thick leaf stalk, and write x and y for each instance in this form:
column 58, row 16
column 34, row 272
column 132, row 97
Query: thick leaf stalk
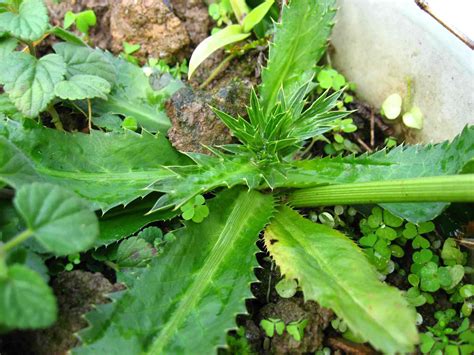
column 451, row 188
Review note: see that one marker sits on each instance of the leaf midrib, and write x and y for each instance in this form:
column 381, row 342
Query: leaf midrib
column 326, row 269
column 218, row 253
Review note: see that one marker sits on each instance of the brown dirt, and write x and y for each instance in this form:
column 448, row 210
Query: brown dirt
column 193, row 122
column 76, row 292
column 150, row 23
column 295, row 309
column 164, row 29
column 100, row 34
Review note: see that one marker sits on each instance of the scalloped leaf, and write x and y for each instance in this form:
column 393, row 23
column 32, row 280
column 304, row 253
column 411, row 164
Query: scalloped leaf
column 300, row 41
column 334, row 272
column 107, row 169
column 82, row 60
column 28, row 22
column 399, row 163
column 30, row 82
column 80, row 87
column 188, row 298
column 26, row 301
column 59, row 220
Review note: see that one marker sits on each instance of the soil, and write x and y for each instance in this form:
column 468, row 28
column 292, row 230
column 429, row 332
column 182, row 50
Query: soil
column 76, row 292
column 165, row 29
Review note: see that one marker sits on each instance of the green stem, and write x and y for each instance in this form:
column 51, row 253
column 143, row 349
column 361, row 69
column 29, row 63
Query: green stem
column 20, row 238
column 216, row 71
column 55, row 118
column 454, row 188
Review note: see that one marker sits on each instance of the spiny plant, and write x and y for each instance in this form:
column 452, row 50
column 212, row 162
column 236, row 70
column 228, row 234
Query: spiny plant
column 188, row 296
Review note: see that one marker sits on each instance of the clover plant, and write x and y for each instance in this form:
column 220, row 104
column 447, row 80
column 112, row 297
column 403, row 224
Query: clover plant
column 187, row 296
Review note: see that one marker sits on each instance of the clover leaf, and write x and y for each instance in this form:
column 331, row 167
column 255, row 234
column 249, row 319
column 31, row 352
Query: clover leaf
column 195, row 210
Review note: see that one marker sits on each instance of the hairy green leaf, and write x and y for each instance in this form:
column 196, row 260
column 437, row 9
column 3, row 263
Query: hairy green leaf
column 80, row 87
column 30, row 82
column 399, row 163
column 191, row 293
column 108, row 169
column 60, row 221
column 334, row 272
column 28, row 21
column 82, row 60
column 300, row 41
column 7, row 45
column 228, row 35
column 26, row 301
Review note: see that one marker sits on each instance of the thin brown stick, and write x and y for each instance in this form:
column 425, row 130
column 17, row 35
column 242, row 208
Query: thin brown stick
column 423, row 4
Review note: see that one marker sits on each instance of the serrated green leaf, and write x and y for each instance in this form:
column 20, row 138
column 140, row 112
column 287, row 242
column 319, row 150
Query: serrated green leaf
column 30, row 82
column 350, row 286
column 60, row 221
column 107, row 169
column 230, row 34
column 300, row 41
column 446, row 158
column 82, row 60
column 80, row 87
column 26, row 301
column 29, row 22
column 189, row 181
column 122, row 222
column 196, row 286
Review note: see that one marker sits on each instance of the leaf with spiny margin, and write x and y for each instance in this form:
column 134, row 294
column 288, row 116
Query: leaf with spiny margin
column 107, row 169
column 334, row 272
column 210, row 173
column 30, row 82
column 300, row 41
column 399, row 163
column 134, row 96
column 60, row 221
column 80, row 87
column 28, row 22
column 188, row 298
column 122, row 222
column 82, row 60
column 26, row 301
